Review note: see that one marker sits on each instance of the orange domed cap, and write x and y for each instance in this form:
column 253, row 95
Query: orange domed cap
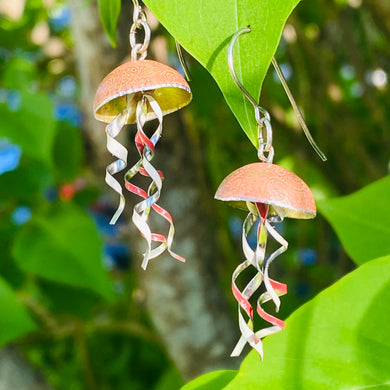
column 166, row 85
column 269, row 184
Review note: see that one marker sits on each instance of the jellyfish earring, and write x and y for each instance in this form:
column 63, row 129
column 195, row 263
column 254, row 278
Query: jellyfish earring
column 136, row 92
column 269, row 193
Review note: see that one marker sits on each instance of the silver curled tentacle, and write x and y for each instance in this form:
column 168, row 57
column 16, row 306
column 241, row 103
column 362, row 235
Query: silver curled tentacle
column 142, row 209
column 246, row 327
column 119, row 151
column 256, row 259
column 150, row 197
column 274, row 289
column 284, row 245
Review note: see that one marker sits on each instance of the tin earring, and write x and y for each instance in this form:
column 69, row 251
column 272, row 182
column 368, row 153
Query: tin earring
column 136, row 92
column 269, row 193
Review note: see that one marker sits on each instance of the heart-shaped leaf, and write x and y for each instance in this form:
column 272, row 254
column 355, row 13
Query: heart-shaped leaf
column 205, row 28
column 362, row 220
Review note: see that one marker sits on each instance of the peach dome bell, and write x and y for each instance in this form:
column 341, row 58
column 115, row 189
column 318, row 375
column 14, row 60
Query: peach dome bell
column 286, row 193
column 164, row 83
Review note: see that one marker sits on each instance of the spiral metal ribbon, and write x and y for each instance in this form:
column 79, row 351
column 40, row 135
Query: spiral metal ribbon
column 141, row 210
column 119, row 151
column 274, row 289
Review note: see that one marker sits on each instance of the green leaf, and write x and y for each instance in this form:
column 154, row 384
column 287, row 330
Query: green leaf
column 212, row 381
column 19, row 73
column 63, row 299
column 339, row 340
column 362, row 220
column 109, row 13
column 14, row 319
column 169, row 380
column 26, row 183
column 205, row 28
column 31, row 125
column 67, row 151
column 63, row 246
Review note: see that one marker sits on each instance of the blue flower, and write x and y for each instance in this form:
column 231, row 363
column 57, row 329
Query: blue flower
column 9, row 155
column 60, row 17
column 21, row 215
column 68, row 112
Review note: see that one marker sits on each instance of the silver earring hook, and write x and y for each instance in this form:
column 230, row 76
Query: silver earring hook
column 297, row 111
column 262, row 116
column 231, row 66
column 259, row 109
column 182, row 60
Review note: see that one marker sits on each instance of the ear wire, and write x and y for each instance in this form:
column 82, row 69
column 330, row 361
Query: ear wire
column 182, row 60
column 259, row 110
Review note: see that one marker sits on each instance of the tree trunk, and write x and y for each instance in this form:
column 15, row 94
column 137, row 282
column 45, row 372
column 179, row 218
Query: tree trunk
column 185, row 301
column 18, row 374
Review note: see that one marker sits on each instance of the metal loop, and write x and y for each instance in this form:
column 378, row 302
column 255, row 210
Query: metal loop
column 139, row 49
column 143, row 47
column 137, row 11
column 265, row 151
column 141, row 17
column 261, row 113
column 269, row 150
column 265, row 124
column 136, row 55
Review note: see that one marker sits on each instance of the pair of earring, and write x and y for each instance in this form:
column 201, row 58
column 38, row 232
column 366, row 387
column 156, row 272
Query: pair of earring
column 141, row 90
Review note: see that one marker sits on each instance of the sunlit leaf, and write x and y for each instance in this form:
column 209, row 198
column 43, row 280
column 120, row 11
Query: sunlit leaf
column 169, row 380
column 211, row 381
column 362, row 220
column 339, row 340
column 205, row 28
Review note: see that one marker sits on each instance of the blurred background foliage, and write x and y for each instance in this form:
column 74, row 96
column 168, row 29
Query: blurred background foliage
column 69, row 295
